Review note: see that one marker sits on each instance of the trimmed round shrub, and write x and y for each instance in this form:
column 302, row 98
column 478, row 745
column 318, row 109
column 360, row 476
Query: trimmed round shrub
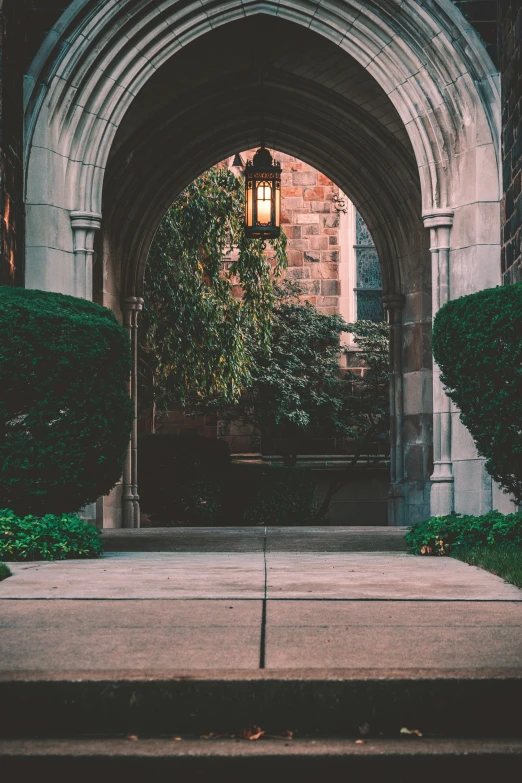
column 181, row 480
column 65, row 413
column 52, row 537
column 477, row 343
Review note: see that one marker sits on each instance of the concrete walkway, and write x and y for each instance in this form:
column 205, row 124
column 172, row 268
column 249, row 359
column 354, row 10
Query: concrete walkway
column 259, row 608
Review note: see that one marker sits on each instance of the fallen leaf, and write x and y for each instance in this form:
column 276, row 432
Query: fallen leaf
column 360, row 742
column 253, row 733
column 416, row 732
column 176, row 738
column 132, row 737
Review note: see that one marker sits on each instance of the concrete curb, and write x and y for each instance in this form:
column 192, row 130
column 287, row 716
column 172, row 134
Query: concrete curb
column 311, row 703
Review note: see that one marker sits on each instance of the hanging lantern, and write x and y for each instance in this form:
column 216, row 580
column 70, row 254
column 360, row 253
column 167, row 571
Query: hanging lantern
column 263, row 196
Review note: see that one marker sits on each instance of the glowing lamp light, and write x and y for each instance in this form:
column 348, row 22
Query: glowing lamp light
column 263, row 196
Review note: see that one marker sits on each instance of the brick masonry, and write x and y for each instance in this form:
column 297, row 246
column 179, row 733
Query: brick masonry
column 311, row 223
column 11, row 150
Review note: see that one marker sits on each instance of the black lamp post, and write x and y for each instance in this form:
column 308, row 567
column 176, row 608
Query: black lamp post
column 263, row 196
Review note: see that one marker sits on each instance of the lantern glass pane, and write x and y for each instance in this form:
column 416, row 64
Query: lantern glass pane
column 264, row 203
column 278, row 204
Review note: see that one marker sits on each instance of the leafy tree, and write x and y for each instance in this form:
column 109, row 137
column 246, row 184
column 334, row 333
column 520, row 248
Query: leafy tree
column 477, row 343
column 299, row 385
column 367, row 403
column 200, row 316
column 65, row 412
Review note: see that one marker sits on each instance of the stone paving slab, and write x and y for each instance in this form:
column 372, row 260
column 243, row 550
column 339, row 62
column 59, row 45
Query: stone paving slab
column 178, row 635
column 256, row 539
column 354, row 576
column 136, row 575
column 391, row 576
column 380, row 634
column 129, row 635
column 335, row 539
column 185, row 539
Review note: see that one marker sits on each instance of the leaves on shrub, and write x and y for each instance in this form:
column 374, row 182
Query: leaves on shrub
column 477, row 342
column 65, row 413
column 444, row 534
column 52, row 537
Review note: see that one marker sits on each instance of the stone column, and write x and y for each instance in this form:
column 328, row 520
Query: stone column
column 394, row 304
column 84, row 226
column 131, row 306
column 440, row 222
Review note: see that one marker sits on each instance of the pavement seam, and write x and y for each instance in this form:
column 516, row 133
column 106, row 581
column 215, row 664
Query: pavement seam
column 262, row 642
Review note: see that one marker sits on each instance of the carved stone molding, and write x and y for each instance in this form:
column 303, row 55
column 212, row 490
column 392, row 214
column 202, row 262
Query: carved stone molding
column 84, row 226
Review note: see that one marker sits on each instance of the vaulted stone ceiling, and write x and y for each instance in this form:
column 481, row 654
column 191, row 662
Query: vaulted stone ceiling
column 316, row 102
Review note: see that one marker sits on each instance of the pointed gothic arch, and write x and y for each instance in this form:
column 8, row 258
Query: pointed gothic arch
column 406, row 122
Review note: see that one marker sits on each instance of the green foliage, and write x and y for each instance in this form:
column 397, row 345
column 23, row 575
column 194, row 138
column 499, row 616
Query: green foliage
column 195, row 332
column 281, row 496
column 477, row 342
column 182, row 479
column 368, row 399
column 52, row 537
column 4, row 571
column 65, row 414
column 504, row 561
column 298, row 383
column 445, row 535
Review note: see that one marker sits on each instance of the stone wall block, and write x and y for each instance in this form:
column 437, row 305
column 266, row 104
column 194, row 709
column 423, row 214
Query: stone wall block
column 312, row 257
column 318, row 243
column 330, row 287
column 314, row 194
column 324, row 270
column 304, row 178
column 295, row 257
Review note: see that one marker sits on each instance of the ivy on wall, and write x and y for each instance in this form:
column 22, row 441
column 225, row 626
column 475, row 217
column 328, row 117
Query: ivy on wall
column 200, row 315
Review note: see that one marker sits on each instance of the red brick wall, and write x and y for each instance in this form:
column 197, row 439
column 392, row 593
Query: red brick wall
column 311, row 223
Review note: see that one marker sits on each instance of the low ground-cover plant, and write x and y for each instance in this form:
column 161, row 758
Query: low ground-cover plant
column 4, row 571
column 52, row 537
column 446, row 535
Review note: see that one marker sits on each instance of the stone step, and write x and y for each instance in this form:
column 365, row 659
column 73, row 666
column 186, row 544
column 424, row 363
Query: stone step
column 276, row 760
column 255, row 539
column 313, row 703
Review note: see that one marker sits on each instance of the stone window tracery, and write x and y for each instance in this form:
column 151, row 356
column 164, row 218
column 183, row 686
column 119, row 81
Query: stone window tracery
column 368, row 280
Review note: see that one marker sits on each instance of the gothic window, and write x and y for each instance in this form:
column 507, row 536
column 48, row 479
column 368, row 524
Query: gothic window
column 368, row 281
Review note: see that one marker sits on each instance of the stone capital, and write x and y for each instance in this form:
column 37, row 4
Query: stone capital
column 438, row 218
column 132, row 303
column 393, row 301
column 86, row 220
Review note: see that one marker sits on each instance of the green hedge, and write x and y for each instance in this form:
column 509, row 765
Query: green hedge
column 477, row 342
column 52, row 537
column 65, row 413
column 446, row 534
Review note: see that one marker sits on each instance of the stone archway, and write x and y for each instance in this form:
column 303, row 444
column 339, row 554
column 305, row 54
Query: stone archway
column 129, row 100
